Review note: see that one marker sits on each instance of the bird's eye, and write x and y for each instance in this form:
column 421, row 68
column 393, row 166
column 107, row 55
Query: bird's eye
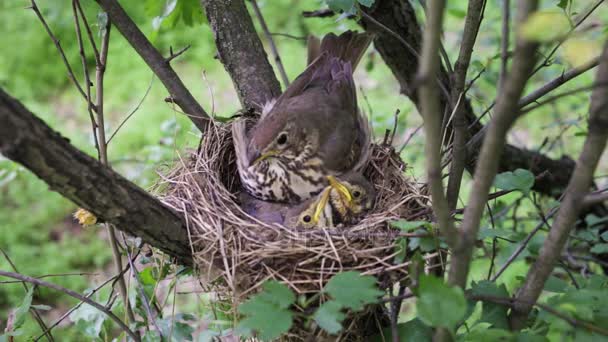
column 356, row 194
column 282, row 140
column 307, row 218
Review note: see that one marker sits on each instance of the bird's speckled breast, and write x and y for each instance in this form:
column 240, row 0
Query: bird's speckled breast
column 277, row 180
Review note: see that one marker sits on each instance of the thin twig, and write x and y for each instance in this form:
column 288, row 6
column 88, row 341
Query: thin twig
column 85, row 70
column 124, row 121
column 34, row 312
column 71, row 75
column 173, row 55
column 76, row 295
column 273, row 47
column 89, row 295
column 157, row 63
column 89, row 32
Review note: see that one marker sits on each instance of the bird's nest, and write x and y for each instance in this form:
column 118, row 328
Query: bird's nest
column 242, row 252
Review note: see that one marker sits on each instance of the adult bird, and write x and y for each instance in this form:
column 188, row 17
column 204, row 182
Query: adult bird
column 313, row 130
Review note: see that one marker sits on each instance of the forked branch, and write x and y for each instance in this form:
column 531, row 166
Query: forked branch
column 573, row 202
column 506, row 112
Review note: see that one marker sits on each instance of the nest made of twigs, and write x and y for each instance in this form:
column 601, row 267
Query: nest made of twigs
column 242, row 252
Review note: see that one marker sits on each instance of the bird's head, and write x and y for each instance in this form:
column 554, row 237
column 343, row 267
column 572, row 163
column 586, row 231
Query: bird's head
column 352, row 195
column 277, row 136
column 312, row 213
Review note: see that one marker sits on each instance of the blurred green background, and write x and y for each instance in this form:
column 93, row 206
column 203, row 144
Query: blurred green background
column 37, row 230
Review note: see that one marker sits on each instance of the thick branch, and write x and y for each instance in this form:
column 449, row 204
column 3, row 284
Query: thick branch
column 180, row 95
column 506, row 112
column 27, row 140
column 241, row 51
column 573, row 202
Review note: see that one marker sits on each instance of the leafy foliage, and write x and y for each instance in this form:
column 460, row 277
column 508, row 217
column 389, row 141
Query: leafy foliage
column 438, row 304
column 520, row 179
column 267, row 313
column 352, row 290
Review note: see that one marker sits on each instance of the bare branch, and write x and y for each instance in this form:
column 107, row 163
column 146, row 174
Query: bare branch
column 273, row 47
column 176, row 88
column 471, row 28
column 429, row 102
column 572, row 204
column 35, row 313
column 557, row 82
column 493, row 145
column 27, row 140
column 242, row 52
column 173, row 55
column 76, row 295
column 504, row 41
column 59, row 48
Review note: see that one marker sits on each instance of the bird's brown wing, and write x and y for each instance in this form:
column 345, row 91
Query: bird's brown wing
column 239, row 140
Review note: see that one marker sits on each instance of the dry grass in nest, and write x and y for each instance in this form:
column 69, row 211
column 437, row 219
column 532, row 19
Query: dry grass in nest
column 243, row 252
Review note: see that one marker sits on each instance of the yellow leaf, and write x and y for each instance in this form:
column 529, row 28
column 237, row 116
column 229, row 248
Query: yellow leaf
column 545, row 26
column 579, row 52
column 85, row 217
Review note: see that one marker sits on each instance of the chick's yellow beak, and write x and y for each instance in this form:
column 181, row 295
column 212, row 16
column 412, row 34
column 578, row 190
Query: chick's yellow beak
column 321, row 206
column 342, row 190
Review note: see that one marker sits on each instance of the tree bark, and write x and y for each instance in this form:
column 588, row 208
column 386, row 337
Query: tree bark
column 29, row 141
column 241, row 52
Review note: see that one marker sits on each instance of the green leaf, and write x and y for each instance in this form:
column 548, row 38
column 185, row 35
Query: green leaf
column 545, row 26
column 578, row 51
column 563, row 4
column 21, row 311
column 407, row 226
column 438, row 304
column 556, row 285
column 600, row 248
column 400, row 250
column 520, row 179
column 529, row 337
column 604, row 236
column 171, row 326
column 267, row 312
column 277, row 293
column 366, row 3
column 88, row 319
column 492, row 313
column 488, row 335
column 352, row 290
column 341, row 5
column 413, row 330
column 329, row 316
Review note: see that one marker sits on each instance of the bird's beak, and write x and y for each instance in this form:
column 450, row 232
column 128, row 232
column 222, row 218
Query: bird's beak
column 256, row 157
column 321, row 205
column 342, row 190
